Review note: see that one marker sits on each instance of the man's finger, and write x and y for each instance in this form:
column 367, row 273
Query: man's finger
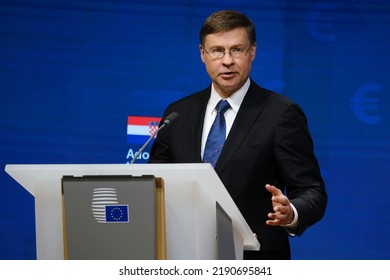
column 272, row 189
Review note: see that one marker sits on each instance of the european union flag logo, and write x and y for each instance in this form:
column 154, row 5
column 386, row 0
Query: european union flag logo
column 117, row 213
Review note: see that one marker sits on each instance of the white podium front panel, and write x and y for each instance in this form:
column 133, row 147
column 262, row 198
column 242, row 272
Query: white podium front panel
column 191, row 193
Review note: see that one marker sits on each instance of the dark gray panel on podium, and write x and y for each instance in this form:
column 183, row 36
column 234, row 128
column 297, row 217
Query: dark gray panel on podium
column 110, row 217
column 225, row 236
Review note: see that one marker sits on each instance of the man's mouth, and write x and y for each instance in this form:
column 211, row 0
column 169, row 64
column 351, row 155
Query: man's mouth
column 228, row 75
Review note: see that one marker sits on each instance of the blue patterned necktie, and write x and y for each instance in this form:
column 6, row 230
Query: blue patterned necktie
column 217, row 134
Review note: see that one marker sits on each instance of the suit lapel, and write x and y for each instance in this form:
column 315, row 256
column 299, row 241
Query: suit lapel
column 197, row 119
column 248, row 113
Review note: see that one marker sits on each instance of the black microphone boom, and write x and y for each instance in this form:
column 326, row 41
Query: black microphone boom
column 167, row 122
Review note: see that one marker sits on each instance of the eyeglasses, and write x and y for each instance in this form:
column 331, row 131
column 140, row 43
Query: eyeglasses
column 217, row 53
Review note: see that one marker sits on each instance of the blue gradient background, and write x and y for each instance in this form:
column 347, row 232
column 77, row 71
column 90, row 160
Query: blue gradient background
column 71, row 72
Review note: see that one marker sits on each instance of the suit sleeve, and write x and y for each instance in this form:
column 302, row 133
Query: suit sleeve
column 299, row 167
column 160, row 151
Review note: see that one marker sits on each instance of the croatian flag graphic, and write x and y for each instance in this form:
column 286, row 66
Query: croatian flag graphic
column 139, row 129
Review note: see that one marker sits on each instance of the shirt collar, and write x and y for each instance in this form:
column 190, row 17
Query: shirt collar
column 234, row 100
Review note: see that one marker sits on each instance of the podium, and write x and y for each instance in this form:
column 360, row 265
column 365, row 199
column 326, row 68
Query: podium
column 192, row 192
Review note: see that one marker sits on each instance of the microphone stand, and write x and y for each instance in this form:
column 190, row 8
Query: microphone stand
column 147, row 142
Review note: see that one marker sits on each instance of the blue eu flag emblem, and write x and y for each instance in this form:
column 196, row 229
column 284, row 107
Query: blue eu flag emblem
column 117, row 213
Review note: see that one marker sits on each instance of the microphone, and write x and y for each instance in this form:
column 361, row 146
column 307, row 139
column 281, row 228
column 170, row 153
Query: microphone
column 166, row 122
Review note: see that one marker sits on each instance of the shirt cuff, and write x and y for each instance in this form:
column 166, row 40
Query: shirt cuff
column 290, row 228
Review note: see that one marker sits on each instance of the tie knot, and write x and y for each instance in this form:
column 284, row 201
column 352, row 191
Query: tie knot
column 222, row 106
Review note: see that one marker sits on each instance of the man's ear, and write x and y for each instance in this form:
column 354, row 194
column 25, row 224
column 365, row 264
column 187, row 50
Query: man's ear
column 253, row 51
column 202, row 53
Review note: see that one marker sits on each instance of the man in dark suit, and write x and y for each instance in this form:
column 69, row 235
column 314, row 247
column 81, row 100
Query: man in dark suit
column 267, row 162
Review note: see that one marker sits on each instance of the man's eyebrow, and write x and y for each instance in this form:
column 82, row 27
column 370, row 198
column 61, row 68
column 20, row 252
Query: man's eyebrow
column 240, row 45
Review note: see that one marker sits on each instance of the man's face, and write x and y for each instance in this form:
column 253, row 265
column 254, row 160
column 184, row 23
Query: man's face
column 228, row 74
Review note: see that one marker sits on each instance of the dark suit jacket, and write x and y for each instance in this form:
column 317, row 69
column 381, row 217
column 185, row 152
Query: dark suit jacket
column 269, row 142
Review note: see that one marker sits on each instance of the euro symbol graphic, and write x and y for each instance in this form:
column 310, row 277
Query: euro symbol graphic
column 360, row 104
column 318, row 21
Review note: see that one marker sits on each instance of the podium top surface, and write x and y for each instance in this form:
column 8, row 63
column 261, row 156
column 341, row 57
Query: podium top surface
column 27, row 174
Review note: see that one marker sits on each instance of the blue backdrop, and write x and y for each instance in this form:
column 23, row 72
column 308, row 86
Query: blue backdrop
column 71, row 72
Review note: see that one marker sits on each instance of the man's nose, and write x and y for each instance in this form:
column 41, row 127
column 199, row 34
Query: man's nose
column 227, row 58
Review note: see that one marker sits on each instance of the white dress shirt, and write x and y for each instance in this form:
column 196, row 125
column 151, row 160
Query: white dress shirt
column 234, row 100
